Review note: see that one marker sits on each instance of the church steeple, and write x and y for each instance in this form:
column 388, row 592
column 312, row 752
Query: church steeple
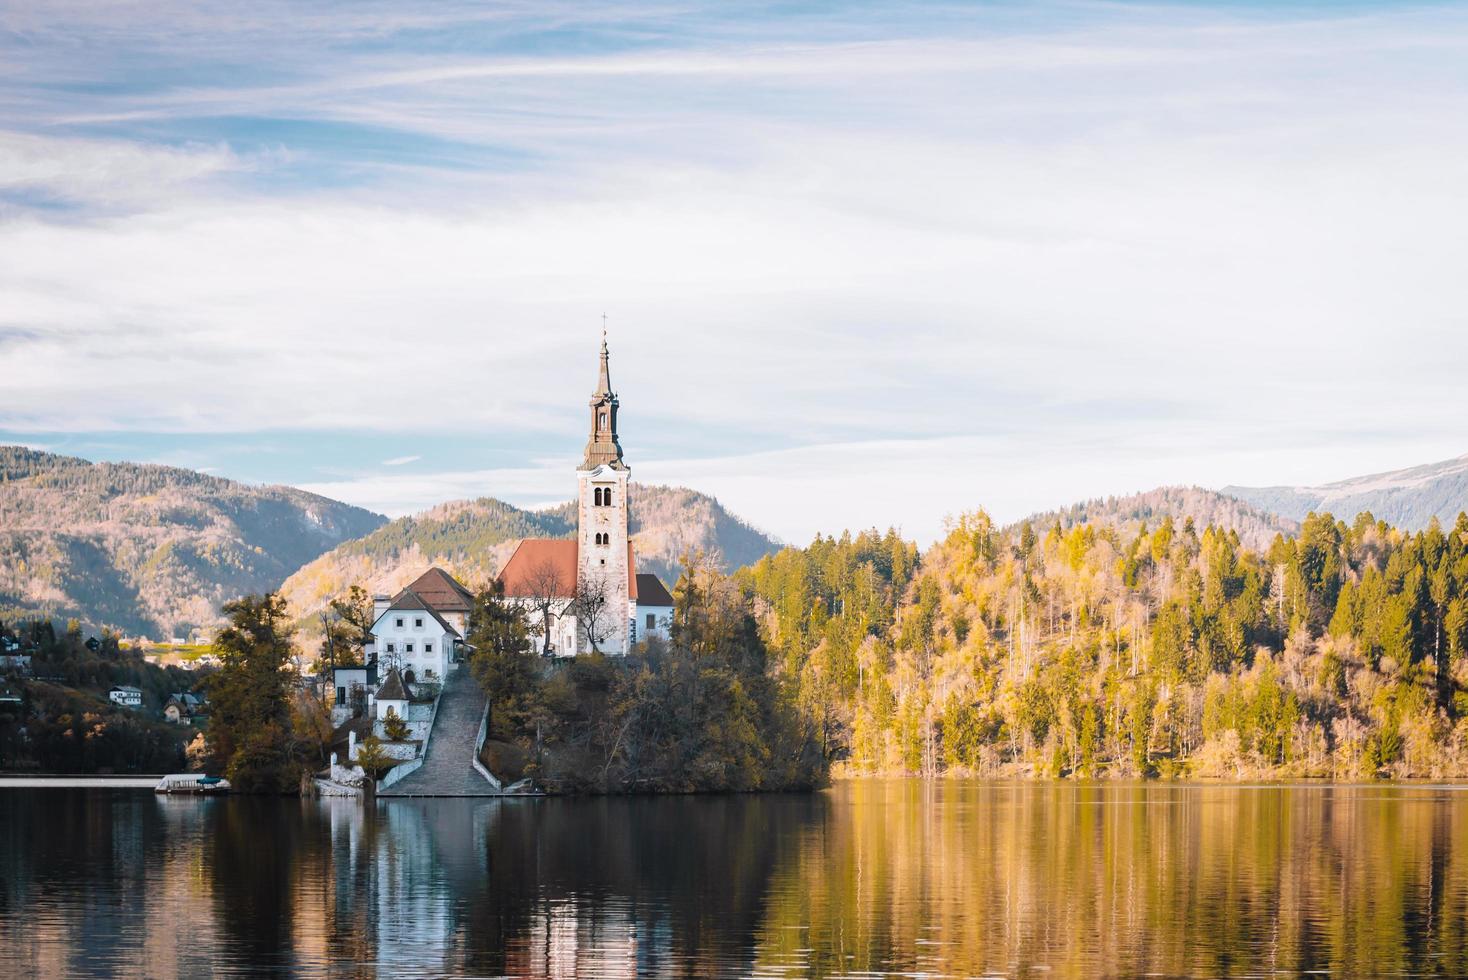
column 603, row 448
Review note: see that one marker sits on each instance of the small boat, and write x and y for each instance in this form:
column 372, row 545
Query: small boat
column 191, row 782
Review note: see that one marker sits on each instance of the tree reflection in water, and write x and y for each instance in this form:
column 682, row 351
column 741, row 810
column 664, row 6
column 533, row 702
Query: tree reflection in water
column 897, row 877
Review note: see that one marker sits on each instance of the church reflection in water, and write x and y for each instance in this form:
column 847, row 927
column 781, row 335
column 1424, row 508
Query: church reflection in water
column 876, row 878
column 609, row 887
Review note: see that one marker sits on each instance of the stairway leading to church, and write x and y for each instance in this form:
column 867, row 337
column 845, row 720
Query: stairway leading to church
column 448, row 767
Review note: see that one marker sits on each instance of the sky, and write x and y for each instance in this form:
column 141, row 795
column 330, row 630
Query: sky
column 862, row 264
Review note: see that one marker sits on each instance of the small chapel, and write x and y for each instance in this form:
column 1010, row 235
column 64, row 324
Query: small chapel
column 585, row 594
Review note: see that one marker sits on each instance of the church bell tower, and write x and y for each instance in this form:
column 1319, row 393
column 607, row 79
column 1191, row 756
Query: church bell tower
column 603, row 557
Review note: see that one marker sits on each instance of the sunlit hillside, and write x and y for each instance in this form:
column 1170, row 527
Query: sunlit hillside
column 151, row 550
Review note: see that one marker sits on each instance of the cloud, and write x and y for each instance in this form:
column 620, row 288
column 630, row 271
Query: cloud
column 104, row 172
column 401, row 460
column 985, row 243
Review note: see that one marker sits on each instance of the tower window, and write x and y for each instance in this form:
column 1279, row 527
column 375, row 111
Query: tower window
column 596, row 496
column 607, row 497
column 602, row 421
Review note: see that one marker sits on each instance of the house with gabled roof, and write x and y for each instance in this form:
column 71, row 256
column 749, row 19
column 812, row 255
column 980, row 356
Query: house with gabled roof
column 583, row 594
column 422, row 637
column 182, row 707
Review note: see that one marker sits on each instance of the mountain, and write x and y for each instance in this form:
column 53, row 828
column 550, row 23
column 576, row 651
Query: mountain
column 1406, row 498
column 147, row 549
column 1256, row 526
column 473, row 538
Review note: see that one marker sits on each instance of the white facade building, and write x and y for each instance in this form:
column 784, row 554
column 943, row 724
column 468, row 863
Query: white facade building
column 128, row 697
column 654, row 610
column 410, row 635
column 421, row 630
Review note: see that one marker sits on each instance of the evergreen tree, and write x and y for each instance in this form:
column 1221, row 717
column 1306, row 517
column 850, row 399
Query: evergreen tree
column 250, row 732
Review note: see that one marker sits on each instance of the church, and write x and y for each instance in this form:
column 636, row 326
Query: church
column 585, row 595
column 580, row 595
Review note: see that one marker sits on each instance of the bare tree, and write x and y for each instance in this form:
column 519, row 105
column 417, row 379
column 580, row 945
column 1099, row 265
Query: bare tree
column 546, row 587
column 593, row 611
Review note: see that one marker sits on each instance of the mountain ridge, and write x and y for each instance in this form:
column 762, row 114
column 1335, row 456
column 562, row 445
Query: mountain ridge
column 1256, row 527
column 147, row 548
column 472, row 539
column 1407, row 498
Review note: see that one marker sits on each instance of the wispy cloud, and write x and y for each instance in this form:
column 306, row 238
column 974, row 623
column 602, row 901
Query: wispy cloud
column 1042, row 227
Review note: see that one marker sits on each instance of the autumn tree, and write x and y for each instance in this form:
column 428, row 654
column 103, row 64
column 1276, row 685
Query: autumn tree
column 502, row 659
column 593, row 608
column 251, row 731
column 347, row 628
column 546, row 589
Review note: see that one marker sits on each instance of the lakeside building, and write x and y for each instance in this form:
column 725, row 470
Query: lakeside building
column 585, row 593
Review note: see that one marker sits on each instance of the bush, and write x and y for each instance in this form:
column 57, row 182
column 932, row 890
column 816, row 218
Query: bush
column 395, row 727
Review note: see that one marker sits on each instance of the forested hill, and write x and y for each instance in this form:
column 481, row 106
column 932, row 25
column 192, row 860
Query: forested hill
column 151, row 550
column 1407, row 498
column 1342, row 651
column 1256, row 528
column 473, row 538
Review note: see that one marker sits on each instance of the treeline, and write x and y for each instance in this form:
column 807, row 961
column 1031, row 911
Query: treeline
column 702, row 713
column 65, row 722
column 1166, row 650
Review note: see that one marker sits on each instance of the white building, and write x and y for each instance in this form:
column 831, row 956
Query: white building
column 127, row 697
column 421, row 630
column 583, row 594
column 654, row 609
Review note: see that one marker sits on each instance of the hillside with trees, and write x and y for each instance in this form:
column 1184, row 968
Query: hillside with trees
column 1167, row 649
column 472, row 539
column 65, row 722
column 702, row 713
column 1256, row 528
column 1407, row 498
column 150, row 550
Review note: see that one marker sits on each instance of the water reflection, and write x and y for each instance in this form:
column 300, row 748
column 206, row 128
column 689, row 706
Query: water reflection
column 953, row 878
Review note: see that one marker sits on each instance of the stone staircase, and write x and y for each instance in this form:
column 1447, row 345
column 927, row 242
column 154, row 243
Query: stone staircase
column 448, row 766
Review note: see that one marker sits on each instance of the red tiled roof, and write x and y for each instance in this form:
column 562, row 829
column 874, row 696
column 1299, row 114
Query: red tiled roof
column 558, row 555
column 443, row 591
column 554, row 556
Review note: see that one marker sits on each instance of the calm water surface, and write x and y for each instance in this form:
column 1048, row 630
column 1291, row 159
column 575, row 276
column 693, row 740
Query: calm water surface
column 872, row 878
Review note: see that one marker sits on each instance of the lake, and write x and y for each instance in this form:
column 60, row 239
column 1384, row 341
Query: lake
column 871, row 878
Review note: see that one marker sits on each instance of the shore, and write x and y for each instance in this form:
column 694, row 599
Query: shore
column 78, row 782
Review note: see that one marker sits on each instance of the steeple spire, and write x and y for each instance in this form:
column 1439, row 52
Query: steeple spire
column 603, row 448
column 604, row 379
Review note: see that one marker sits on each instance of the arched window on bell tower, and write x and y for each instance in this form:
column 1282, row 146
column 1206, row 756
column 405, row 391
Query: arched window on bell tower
column 607, row 497
column 601, row 421
column 596, row 497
